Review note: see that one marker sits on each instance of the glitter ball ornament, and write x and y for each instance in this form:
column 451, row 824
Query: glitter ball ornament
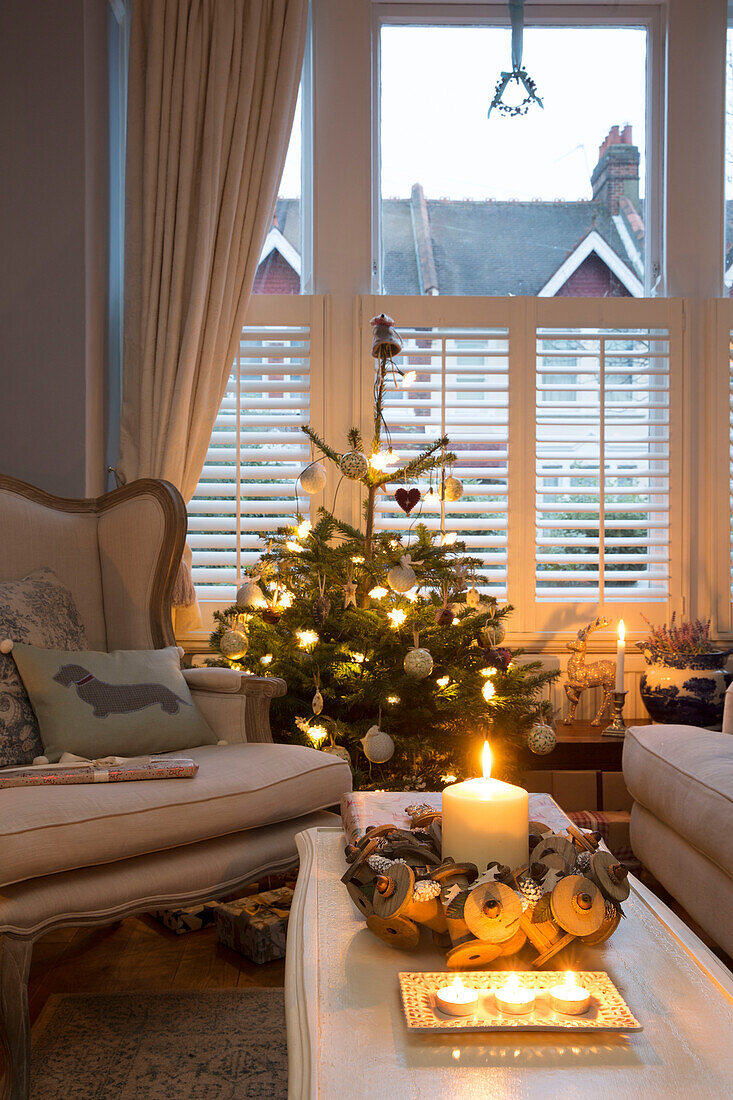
column 378, row 745
column 401, row 578
column 541, row 739
column 339, row 751
column 313, row 479
column 250, row 595
column 317, row 702
column 233, row 644
column 354, row 464
column 473, row 597
column 425, row 890
column 418, row 663
column 453, row 489
column 494, row 633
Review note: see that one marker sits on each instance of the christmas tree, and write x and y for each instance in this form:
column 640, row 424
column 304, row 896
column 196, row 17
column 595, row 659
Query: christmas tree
column 391, row 653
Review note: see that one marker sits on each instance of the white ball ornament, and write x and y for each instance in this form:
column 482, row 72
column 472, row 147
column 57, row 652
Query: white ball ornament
column 250, row 595
column 453, row 489
column 541, row 739
column 233, row 644
column 313, row 479
column 354, row 465
column 401, row 577
column 378, row 745
column 418, row 663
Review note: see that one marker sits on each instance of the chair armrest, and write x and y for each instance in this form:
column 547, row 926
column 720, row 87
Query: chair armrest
column 230, row 681
column 235, row 704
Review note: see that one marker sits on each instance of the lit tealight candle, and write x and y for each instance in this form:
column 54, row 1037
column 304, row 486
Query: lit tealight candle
column 457, row 999
column 570, row 997
column 513, row 997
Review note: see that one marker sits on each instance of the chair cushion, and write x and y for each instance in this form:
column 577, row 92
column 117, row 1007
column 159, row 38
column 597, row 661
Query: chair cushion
column 39, row 610
column 684, row 776
column 44, row 830
column 130, row 702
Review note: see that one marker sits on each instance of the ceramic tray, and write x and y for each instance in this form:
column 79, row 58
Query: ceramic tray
column 608, row 1010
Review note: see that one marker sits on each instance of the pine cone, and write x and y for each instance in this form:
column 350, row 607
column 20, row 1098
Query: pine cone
column 426, row 890
column 531, row 890
column 582, row 863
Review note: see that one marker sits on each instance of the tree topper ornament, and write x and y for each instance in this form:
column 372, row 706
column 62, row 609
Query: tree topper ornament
column 517, row 75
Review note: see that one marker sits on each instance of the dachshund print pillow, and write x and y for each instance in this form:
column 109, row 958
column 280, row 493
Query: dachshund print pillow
column 124, row 703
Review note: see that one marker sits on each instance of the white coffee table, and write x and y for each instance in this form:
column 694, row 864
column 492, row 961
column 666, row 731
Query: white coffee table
column 347, row 1036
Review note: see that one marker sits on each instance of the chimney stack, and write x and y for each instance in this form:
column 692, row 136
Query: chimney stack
column 617, row 171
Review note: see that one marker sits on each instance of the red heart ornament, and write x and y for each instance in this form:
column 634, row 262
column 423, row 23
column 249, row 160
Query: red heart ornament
column 407, row 499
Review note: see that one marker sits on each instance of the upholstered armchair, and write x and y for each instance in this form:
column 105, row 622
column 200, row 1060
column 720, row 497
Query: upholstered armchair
column 92, row 854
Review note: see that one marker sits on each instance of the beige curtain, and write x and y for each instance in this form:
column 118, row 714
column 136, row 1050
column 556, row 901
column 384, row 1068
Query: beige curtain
column 212, row 92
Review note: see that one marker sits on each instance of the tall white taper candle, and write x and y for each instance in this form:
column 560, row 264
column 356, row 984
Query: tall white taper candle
column 620, row 656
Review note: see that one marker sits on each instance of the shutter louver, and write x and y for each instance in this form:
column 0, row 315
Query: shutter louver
column 602, row 465
column 257, row 451
column 461, row 390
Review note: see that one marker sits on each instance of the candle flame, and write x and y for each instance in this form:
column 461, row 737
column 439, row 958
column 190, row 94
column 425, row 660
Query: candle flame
column 486, row 760
column 512, row 983
column 570, row 978
column 621, row 631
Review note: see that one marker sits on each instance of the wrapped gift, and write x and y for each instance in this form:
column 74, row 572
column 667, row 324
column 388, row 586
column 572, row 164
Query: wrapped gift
column 613, row 825
column 360, row 809
column 189, row 918
column 256, row 926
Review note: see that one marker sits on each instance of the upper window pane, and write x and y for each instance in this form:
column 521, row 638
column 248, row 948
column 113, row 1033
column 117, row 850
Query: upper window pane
column 550, row 203
column 280, row 268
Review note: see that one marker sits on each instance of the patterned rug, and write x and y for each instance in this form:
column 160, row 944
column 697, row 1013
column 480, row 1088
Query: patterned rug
column 225, row 1045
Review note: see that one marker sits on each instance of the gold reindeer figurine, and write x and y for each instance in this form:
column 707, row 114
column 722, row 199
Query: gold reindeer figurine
column 581, row 676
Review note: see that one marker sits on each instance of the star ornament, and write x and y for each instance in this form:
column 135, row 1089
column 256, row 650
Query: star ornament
column 349, row 594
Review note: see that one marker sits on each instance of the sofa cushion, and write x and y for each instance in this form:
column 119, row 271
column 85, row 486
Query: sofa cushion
column 48, row 829
column 684, row 776
column 41, row 611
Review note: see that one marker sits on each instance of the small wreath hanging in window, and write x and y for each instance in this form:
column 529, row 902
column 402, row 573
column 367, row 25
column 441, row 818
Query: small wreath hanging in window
column 518, row 74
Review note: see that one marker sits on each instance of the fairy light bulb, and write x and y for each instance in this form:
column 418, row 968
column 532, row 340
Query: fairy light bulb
column 378, row 593
column 397, row 617
column 307, row 638
column 304, row 529
column 488, row 691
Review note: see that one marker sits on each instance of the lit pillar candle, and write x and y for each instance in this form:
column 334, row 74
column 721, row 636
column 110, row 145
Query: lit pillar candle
column 620, row 656
column 485, row 820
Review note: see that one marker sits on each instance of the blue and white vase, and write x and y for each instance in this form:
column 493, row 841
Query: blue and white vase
column 688, row 689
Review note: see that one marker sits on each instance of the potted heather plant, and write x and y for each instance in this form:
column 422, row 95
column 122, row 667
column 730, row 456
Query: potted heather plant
column 685, row 679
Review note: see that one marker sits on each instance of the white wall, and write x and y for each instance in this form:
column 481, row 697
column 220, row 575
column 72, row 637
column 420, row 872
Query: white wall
column 53, row 211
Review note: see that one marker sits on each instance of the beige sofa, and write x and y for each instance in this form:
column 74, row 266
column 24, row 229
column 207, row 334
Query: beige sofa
column 85, row 855
column 681, row 780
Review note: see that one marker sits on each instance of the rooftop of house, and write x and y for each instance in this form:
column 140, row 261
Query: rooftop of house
column 592, row 247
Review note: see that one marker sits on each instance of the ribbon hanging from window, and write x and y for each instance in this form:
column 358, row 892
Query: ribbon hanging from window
column 517, row 75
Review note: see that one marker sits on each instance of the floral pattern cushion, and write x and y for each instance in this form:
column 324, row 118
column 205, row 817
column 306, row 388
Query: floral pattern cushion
column 40, row 611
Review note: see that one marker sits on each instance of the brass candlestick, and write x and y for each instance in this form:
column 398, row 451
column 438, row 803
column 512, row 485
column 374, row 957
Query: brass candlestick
column 617, row 727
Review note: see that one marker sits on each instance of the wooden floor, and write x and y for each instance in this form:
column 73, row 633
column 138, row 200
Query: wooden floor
column 140, row 954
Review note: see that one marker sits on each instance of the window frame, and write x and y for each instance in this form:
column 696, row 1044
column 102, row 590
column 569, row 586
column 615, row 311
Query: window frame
column 550, row 15
column 533, row 622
